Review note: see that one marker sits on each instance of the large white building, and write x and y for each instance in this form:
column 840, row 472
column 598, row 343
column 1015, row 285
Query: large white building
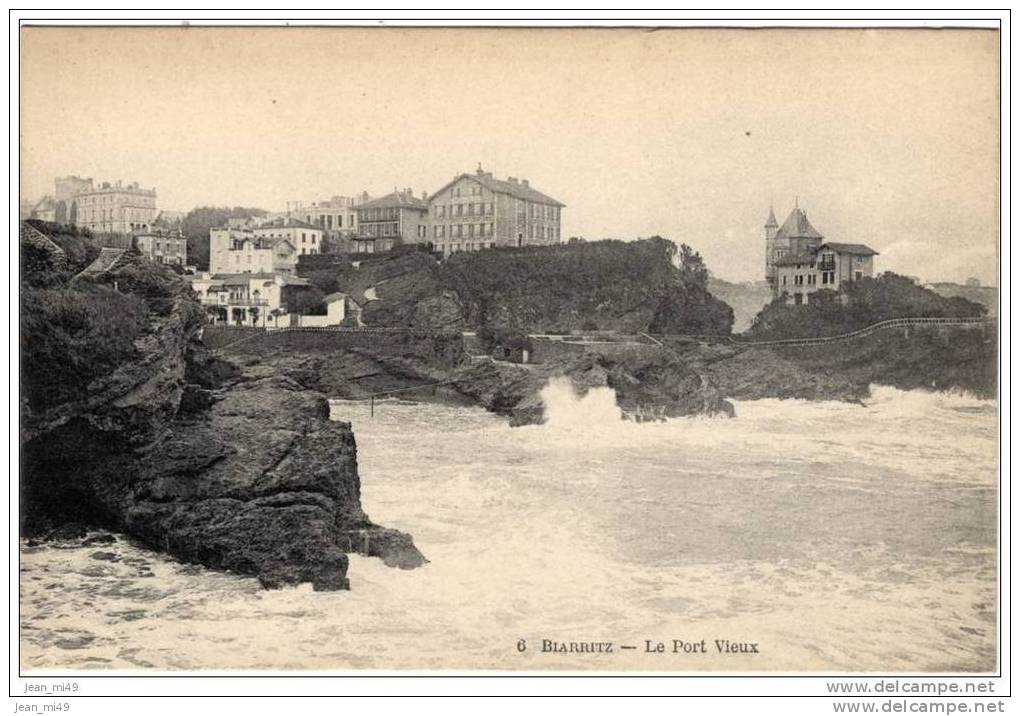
column 305, row 238
column 337, row 216
column 477, row 211
column 260, row 299
column 112, row 209
column 263, row 250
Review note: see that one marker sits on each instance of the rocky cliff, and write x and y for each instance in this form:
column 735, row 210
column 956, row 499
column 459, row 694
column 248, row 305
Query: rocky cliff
column 643, row 285
column 235, row 467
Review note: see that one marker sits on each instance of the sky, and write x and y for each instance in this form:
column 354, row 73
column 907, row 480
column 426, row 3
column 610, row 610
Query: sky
column 884, row 137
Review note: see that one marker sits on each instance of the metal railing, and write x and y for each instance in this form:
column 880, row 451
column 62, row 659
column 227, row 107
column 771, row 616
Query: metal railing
column 851, row 335
column 235, row 302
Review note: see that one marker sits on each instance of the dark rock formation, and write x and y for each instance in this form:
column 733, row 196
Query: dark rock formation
column 647, row 384
column 612, row 285
column 926, row 358
column 234, row 467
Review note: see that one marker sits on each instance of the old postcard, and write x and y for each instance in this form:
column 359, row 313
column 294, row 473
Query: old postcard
column 504, row 349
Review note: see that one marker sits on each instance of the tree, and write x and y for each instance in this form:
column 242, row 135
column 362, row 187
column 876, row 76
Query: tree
column 38, row 266
column 857, row 305
column 275, row 315
column 305, row 301
column 692, row 267
column 215, row 312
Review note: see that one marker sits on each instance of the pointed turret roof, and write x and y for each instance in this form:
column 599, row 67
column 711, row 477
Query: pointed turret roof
column 797, row 226
column 771, row 223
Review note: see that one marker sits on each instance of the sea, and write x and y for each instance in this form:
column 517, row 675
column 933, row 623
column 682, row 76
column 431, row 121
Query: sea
column 795, row 537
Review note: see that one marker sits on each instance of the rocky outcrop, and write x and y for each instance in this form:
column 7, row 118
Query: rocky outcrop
column 648, row 385
column 256, row 480
column 946, row 358
column 233, row 466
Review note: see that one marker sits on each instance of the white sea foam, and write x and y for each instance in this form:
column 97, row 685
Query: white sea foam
column 838, row 536
column 565, row 408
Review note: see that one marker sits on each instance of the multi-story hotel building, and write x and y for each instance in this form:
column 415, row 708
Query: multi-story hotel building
column 305, row 238
column 477, row 211
column 112, row 209
column 395, row 219
column 241, row 251
column 163, row 248
column 337, row 216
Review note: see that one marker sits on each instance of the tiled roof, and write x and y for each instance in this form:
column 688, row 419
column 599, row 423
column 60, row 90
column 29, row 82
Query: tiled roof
column 241, row 279
column 289, row 224
column 859, row 249
column 809, row 258
column 396, row 199
column 797, row 226
column 30, row 234
column 105, row 261
column 500, row 186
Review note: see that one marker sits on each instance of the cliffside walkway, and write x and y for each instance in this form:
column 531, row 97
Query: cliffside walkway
column 253, row 332
column 370, row 397
column 852, row 335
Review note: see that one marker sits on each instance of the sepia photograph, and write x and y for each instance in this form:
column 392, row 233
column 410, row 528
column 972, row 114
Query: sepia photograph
column 507, row 350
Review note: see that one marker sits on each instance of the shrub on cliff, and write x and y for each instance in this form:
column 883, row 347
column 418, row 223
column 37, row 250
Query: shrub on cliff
column 861, row 304
column 631, row 286
column 157, row 284
column 306, row 301
column 70, row 337
column 77, row 244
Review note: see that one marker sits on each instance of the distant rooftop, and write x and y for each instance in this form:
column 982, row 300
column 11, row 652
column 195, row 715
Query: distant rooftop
column 286, row 224
column 520, row 188
column 396, row 199
column 797, row 226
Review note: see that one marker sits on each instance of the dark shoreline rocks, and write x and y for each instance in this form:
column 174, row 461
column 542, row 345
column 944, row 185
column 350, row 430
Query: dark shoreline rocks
column 234, row 467
column 686, row 377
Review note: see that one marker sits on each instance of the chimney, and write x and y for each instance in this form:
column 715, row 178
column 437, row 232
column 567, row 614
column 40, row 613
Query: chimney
column 424, row 196
column 524, row 182
column 512, row 180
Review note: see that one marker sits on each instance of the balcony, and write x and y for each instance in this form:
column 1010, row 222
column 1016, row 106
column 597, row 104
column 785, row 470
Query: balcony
column 230, row 302
column 827, row 265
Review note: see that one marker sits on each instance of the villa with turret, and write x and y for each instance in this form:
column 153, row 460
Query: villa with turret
column 799, row 262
